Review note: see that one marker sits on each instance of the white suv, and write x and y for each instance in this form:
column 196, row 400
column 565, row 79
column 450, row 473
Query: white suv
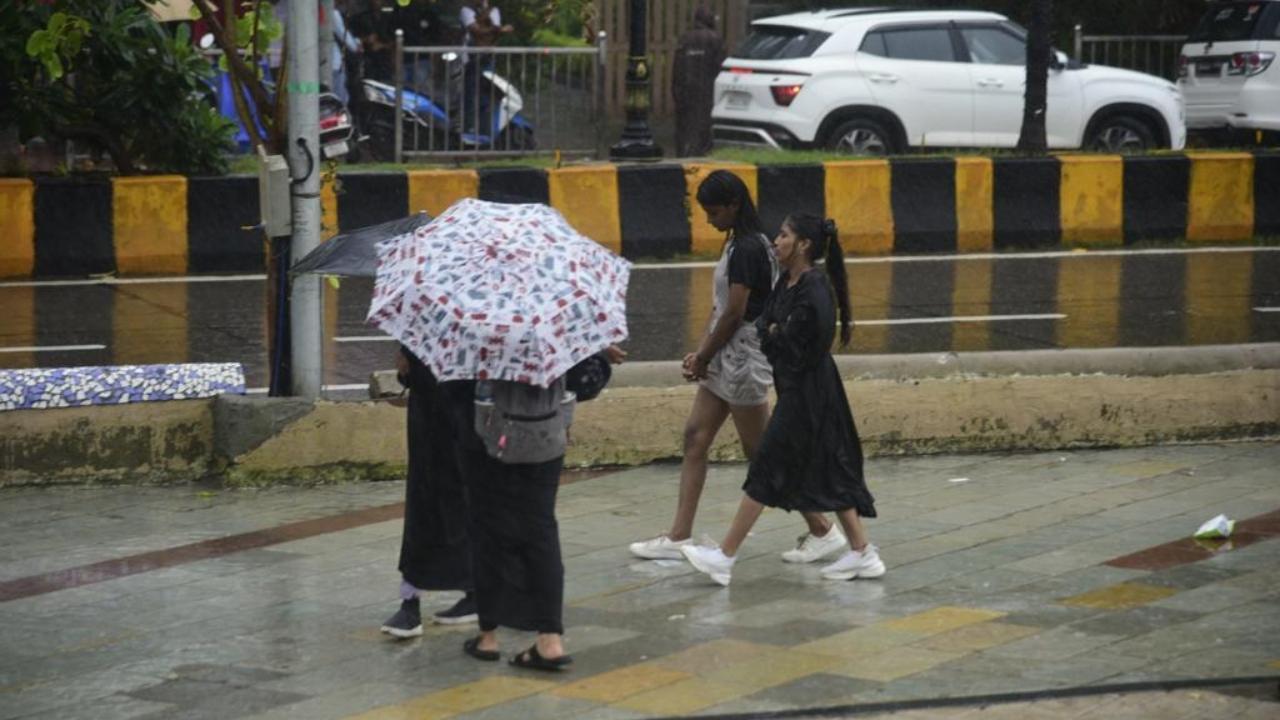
column 1228, row 69
column 873, row 81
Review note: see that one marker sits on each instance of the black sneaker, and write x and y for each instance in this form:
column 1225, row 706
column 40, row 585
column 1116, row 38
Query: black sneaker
column 463, row 611
column 407, row 622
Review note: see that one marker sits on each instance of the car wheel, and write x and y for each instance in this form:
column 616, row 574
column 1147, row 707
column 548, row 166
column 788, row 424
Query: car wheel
column 860, row 136
column 1121, row 134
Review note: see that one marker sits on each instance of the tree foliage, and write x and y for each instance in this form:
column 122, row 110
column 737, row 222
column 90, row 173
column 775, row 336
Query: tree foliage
column 105, row 74
column 243, row 30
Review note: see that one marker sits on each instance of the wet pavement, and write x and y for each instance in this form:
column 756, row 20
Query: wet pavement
column 902, row 305
column 1026, row 577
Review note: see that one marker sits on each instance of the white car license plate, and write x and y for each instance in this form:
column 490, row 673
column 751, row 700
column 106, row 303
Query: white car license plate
column 737, row 100
column 335, row 149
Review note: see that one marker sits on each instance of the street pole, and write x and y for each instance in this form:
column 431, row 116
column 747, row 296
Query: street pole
column 304, row 164
column 637, row 139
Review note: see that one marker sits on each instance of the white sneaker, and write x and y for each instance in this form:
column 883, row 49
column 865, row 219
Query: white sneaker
column 853, row 564
column 659, row 548
column 810, row 547
column 710, row 560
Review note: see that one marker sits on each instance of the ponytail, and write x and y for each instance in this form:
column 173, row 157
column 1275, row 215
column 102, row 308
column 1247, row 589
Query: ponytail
column 824, row 244
column 839, row 278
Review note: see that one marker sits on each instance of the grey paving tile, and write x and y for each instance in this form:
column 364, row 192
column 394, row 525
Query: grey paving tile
column 819, row 689
column 1135, row 621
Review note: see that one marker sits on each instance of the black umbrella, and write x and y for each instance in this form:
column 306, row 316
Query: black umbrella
column 354, row 254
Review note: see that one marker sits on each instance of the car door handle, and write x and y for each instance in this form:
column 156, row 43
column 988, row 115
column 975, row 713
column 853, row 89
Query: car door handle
column 990, row 82
column 886, row 78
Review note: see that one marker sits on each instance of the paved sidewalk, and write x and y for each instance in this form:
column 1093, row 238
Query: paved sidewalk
column 1007, row 574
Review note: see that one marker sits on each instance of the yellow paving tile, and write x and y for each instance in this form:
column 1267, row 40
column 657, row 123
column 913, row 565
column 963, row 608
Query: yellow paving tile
column 711, row 656
column 1120, row 597
column 977, row 637
column 1274, row 664
column 624, row 682
column 480, row 694
column 770, row 670
column 941, row 619
column 684, row 697
column 887, row 666
column 859, row 642
column 1144, row 468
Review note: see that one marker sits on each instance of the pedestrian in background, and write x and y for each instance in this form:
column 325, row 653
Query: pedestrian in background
column 693, row 82
column 435, row 548
column 810, row 458
column 344, row 44
column 482, row 23
column 731, row 370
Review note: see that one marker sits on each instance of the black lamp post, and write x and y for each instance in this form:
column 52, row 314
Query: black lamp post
column 637, row 142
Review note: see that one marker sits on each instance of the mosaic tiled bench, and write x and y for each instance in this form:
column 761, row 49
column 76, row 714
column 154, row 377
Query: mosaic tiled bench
column 38, row 388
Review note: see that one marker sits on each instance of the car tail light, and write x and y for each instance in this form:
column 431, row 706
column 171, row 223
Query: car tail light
column 1250, row 63
column 739, row 70
column 1182, row 65
column 784, row 94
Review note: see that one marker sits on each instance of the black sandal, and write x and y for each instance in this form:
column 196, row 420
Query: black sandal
column 532, row 660
column 472, row 648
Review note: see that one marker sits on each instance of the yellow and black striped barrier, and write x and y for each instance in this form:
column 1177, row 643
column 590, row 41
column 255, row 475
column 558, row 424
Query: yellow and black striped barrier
column 54, row 227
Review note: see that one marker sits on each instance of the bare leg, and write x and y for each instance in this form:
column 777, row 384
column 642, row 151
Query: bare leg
column 705, row 418
column 750, row 421
column 488, row 640
column 853, row 529
column 748, row 512
column 550, row 645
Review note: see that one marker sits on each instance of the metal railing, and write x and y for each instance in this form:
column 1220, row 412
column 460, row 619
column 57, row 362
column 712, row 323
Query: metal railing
column 1151, row 54
column 461, row 101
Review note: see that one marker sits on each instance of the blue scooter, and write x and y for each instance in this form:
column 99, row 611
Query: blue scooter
column 428, row 127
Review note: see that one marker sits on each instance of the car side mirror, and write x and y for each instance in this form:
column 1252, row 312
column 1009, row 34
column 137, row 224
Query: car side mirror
column 1058, row 60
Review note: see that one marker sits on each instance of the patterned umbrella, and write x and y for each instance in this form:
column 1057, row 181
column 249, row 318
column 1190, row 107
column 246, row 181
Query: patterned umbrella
column 503, row 292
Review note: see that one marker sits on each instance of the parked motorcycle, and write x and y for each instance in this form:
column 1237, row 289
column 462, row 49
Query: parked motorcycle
column 428, row 124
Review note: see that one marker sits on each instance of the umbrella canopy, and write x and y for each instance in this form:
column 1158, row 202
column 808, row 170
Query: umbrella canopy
column 502, row 292
column 354, row 254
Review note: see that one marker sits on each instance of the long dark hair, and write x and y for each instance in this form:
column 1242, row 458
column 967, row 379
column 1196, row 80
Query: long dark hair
column 824, row 242
column 722, row 188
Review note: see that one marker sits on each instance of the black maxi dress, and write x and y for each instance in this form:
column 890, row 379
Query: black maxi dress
column 810, row 458
column 435, row 549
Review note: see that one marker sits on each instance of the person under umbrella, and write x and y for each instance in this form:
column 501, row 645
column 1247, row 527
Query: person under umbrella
column 435, row 546
column 810, row 458
column 509, row 296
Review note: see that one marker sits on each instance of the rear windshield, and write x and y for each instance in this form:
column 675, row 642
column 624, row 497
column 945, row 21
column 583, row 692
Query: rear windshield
column 1225, row 22
column 775, row 42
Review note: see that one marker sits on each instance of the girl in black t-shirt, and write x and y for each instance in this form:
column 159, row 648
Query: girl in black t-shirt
column 732, row 372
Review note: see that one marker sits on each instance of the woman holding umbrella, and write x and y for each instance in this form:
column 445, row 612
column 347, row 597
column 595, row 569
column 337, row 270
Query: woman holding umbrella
column 810, row 458
column 733, row 373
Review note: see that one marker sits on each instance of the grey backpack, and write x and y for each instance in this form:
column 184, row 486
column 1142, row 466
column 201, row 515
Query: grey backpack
column 522, row 423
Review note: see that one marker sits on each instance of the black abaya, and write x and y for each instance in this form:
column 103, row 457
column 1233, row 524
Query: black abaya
column 810, row 458
column 435, row 550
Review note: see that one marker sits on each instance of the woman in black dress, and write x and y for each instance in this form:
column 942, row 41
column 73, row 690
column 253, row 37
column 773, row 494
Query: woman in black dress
column 810, row 458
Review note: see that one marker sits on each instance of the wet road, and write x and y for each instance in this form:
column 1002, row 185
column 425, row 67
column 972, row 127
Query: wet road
column 902, row 305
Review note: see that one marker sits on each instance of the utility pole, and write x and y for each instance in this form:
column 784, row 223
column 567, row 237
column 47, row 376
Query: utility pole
column 304, row 164
column 637, row 139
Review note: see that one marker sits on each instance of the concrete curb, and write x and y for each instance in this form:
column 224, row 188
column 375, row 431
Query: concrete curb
column 979, row 402
column 1145, row 361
